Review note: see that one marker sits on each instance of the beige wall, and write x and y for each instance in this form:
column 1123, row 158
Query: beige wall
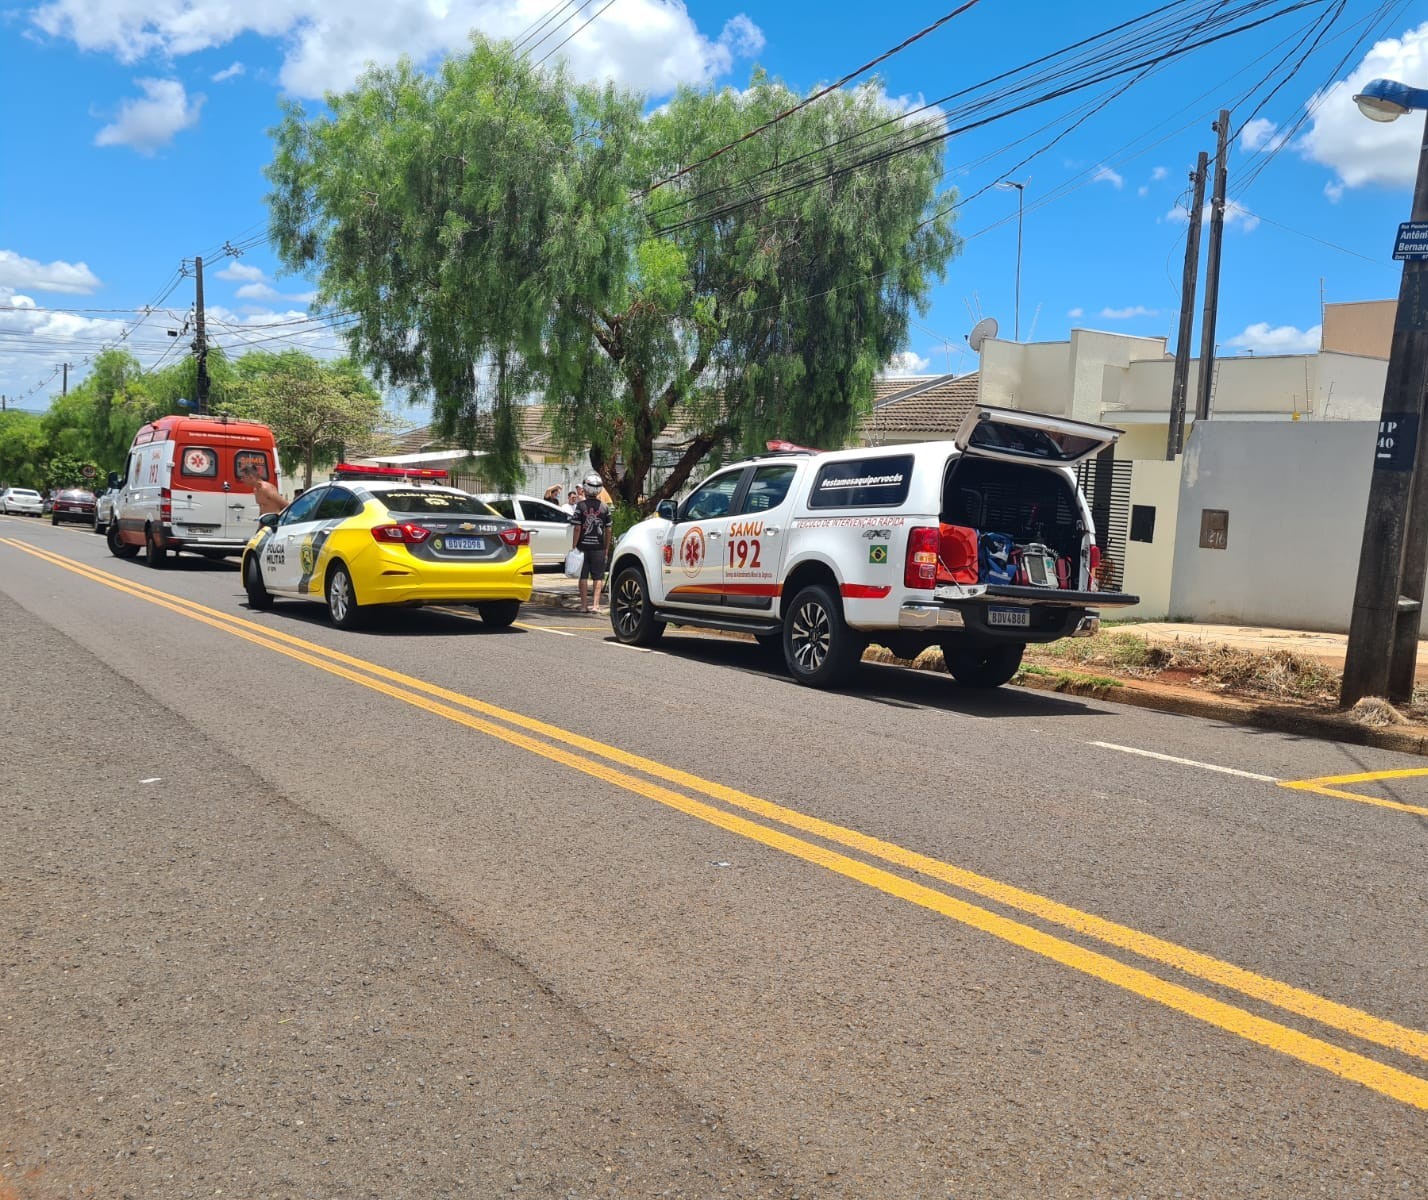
column 1361, row 327
column 1148, row 565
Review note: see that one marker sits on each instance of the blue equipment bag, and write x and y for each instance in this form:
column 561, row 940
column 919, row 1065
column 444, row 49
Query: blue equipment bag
column 995, row 558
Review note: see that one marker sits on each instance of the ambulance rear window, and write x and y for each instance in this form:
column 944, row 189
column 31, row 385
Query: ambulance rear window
column 198, row 461
column 243, row 460
column 863, row 483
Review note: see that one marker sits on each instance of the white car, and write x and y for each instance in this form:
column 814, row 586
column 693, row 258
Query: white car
column 104, row 509
column 548, row 524
column 25, row 502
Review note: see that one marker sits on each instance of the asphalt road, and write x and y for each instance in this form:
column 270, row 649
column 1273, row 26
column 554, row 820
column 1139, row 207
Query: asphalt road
column 428, row 910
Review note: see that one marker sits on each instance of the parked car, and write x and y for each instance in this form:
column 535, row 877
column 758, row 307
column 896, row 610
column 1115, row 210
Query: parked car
column 548, row 524
column 72, row 504
column 374, row 536
column 104, row 509
column 978, row 545
column 25, row 502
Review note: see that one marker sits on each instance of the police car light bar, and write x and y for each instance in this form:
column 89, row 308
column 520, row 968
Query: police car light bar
column 348, row 471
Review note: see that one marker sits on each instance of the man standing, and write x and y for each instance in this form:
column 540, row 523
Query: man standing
column 591, row 519
column 268, row 498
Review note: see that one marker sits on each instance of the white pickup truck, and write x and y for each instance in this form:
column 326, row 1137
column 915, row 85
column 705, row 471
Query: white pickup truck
column 979, row 545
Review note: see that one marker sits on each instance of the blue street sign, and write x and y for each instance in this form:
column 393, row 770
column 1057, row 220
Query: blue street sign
column 1412, row 244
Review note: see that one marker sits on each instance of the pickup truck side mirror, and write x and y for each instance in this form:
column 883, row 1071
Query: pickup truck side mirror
column 667, row 509
column 113, row 479
column 269, row 520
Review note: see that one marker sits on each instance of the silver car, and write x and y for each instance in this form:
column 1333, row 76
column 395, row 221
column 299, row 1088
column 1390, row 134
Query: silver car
column 104, row 509
column 25, row 502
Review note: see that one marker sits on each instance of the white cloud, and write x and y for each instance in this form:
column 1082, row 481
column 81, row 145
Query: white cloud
column 1104, row 174
column 1076, row 312
column 228, row 73
column 236, row 270
column 907, row 363
column 651, row 45
column 266, row 292
column 1334, row 191
column 74, row 279
column 149, row 124
column 1262, row 338
column 1236, row 216
column 1158, row 174
column 1125, row 314
column 1361, row 151
column 1142, row 191
column 1261, row 134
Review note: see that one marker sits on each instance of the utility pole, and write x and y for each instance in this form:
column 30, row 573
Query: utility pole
column 1175, row 435
column 200, row 340
column 1212, row 270
column 64, row 379
column 1388, row 597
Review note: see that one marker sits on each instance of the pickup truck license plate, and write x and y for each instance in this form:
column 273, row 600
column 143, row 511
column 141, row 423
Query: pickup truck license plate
column 1020, row 617
column 465, row 543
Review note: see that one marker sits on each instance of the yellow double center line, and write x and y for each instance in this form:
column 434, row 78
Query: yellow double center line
column 594, row 758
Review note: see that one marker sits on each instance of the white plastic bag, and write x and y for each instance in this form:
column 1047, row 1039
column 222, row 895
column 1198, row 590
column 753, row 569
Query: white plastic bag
column 574, row 561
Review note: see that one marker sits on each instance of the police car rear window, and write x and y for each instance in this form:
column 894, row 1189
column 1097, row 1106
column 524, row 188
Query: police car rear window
column 433, row 503
column 862, row 483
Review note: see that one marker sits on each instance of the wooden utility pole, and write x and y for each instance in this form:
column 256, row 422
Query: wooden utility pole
column 1388, row 597
column 64, row 379
column 1175, row 435
column 200, row 340
column 1212, row 270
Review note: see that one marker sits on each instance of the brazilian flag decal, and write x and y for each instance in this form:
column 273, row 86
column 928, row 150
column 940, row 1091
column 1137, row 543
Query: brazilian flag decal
column 877, row 554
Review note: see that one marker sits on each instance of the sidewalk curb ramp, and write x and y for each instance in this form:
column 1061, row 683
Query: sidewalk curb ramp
column 1259, row 714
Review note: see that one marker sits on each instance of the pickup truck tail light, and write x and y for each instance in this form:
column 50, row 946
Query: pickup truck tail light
column 515, row 536
column 1092, row 585
column 166, row 506
column 920, row 568
column 403, row 534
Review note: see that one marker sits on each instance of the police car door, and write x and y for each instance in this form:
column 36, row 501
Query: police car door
column 694, row 573
column 282, row 553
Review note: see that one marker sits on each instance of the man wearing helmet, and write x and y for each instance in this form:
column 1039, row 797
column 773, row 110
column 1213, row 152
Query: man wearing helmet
column 591, row 519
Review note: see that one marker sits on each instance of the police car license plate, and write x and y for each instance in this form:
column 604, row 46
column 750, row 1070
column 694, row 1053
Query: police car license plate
column 1020, row 617
column 465, row 543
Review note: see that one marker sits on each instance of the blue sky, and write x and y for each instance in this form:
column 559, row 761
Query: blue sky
column 136, row 132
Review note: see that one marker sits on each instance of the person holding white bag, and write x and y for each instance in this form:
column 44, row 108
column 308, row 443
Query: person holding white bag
column 592, row 523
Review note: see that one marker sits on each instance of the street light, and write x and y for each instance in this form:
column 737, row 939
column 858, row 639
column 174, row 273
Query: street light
column 1388, row 595
column 1020, row 195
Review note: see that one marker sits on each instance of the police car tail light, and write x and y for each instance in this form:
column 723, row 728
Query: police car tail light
column 920, row 569
column 516, row 537
column 406, row 533
column 166, row 506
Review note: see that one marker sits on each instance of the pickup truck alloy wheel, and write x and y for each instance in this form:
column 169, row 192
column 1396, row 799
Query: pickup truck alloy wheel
column 342, row 603
column 258, row 595
column 631, row 614
column 117, row 548
column 820, row 649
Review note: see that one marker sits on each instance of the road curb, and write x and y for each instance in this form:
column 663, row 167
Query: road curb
column 1276, row 717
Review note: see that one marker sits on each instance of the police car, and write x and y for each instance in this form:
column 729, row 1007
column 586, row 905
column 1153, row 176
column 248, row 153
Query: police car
column 978, row 545
column 389, row 537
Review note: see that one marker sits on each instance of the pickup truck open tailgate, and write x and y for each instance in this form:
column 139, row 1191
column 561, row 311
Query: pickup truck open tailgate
column 1008, row 593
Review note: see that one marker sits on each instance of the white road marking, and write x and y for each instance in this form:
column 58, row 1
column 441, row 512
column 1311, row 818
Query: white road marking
column 1186, row 762
column 544, row 629
column 155, row 779
column 636, row 649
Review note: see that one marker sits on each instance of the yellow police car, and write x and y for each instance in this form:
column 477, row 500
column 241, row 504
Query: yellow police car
column 388, row 536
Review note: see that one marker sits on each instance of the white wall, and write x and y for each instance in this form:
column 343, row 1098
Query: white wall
column 1148, row 566
column 1296, row 493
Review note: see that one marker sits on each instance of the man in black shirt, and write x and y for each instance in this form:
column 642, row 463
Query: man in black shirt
column 591, row 519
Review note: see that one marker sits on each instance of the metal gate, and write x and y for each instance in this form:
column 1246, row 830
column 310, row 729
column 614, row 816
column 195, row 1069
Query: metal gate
column 1106, row 480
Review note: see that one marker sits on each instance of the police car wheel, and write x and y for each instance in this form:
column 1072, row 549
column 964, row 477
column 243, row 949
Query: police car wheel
column 498, row 614
column 819, row 648
column 631, row 613
column 258, row 594
column 158, row 556
column 983, row 666
column 342, row 604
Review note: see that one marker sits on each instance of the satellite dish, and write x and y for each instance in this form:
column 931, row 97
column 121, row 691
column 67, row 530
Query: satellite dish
column 981, row 331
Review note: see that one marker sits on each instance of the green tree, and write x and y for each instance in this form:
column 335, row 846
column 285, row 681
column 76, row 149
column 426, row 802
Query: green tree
column 66, row 471
column 495, row 232
column 22, row 449
column 313, row 408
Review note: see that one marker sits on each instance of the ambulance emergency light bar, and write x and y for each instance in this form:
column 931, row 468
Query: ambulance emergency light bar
column 413, row 474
